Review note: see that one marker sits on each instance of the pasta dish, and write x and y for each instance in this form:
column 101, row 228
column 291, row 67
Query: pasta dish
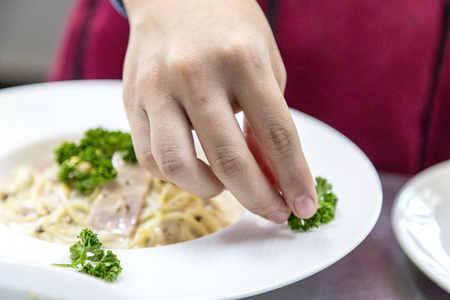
column 134, row 210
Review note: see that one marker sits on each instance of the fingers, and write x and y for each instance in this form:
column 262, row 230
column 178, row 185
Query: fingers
column 230, row 159
column 174, row 151
column 272, row 124
column 164, row 146
column 258, row 154
column 140, row 135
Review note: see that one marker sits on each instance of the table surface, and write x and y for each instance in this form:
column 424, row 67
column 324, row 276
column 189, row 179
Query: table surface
column 377, row 269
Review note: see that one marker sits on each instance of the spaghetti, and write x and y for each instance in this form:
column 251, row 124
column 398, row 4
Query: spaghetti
column 135, row 210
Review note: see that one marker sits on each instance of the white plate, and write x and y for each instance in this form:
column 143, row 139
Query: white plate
column 250, row 257
column 421, row 222
column 25, row 281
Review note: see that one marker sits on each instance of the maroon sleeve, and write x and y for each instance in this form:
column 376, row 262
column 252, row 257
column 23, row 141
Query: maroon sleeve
column 93, row 43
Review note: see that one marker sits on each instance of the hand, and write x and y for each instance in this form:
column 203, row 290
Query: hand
column 193, row 65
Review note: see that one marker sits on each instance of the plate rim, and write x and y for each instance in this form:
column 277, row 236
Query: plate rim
column 396, row 217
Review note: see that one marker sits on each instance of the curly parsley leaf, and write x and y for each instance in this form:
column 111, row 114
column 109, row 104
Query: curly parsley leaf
column 88, row 257
column 108, row 268
column 327, row 201
column 88, row 165
column 65, row 151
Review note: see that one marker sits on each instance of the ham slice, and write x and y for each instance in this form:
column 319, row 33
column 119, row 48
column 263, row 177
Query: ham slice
column 120, row 202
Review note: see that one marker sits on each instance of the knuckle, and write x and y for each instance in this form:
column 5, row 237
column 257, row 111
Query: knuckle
column 235, row 50
column 150, row 75
column 202, row 102
column 228, row 162
column 247, row 54
column 183, row 65
column 147, row 160
column 149, row 82
column 174, row 165
column 260, row 206
column 279, row 138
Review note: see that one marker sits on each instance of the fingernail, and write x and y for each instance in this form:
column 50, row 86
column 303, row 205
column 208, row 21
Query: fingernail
column 305, row 207
column 279, row 216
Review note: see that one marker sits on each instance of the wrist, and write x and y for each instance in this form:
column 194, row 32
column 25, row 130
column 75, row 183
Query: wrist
column 140, row 11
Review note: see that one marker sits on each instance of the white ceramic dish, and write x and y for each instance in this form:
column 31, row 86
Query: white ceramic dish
column 421, row 222
column 25, row 281
column 250, row 257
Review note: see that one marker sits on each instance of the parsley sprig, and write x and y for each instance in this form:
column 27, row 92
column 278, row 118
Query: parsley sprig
column 88, row 164
column 98, row 264
column 327, row 201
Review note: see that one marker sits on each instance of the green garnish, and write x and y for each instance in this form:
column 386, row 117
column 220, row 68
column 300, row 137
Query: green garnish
column 88, row 165
column 326, row 211
column 101, row 265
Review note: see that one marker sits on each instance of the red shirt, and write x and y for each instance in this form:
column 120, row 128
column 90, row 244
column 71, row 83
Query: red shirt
column 370, row 69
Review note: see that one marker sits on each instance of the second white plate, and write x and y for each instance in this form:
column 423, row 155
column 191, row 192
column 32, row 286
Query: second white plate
column 421, row 222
